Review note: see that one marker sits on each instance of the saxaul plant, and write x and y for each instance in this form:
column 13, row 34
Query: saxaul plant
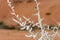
column 44, row 35
column 39, row 20
column 38, row 15
column 18, row 19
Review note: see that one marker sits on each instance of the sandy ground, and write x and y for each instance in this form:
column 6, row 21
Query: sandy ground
column 15, row 35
